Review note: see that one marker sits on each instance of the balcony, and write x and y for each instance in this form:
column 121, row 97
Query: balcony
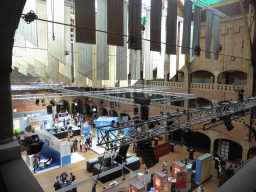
column 201, row 86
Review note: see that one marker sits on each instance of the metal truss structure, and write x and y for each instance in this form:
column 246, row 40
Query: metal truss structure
column 110, row 94
column 178, row 120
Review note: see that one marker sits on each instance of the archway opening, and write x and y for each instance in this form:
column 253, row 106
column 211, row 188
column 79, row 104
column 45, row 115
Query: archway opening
column 77, row 106
column 200, row 142
column 226, row 147
column 113, row 113
column 202, row 77
column 87, row 109
column 199, row 102
column 232, row 77
column 103, row 112
column 125, row 117
column 63, row 106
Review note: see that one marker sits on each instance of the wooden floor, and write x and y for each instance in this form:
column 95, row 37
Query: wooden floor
column 46, row 179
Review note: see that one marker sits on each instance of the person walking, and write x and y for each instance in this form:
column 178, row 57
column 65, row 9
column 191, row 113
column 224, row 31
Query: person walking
column 85, row 146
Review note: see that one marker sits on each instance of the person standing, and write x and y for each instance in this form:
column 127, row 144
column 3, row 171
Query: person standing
column 74, row 181
column 186, row 160
column 148, row 181
column 85, row 146
column 57, row 185
column 81, row 145
column 71, row 177
column 63, row 176
column 218, row 171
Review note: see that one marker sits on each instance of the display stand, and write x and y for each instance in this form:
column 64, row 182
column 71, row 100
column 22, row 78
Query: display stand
column 159, row 178
column 177, row 167
column 203, row 168
column 137, row 187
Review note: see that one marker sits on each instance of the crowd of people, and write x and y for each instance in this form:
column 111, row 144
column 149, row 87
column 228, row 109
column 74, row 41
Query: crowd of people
column 63, row 181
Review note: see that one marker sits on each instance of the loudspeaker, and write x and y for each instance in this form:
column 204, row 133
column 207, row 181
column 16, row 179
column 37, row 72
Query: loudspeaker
column 144, row 112
column 121, row 156
column 37, row 102
column 54, row 103
column 229, row 126
column 136, row 110
column 49, row 109
column 148, row 155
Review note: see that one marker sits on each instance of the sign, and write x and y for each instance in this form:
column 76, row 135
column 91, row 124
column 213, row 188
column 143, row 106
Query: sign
column 157, row 182
column 65, row 148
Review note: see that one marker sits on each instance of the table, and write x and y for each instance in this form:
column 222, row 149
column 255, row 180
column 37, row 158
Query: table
column 41, row 162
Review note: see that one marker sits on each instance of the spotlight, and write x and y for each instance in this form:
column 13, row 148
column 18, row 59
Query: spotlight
column 37, row 102
column 54, row 103
column 25, row 117
column 66, row 53
column 43, row 102
column 14, row 110
column 75, row 104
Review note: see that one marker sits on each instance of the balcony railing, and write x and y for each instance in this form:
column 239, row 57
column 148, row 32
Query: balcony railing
column 201, row 86
column 231, row 88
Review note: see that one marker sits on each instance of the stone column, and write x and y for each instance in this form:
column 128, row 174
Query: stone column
column 245, row 145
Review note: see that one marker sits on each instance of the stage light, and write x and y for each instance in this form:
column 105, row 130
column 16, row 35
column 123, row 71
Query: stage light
column 43, row 102
column 37, row 102
column 25, row 117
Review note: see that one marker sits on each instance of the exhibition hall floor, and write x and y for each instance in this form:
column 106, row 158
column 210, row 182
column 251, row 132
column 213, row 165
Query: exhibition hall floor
column 46, row 180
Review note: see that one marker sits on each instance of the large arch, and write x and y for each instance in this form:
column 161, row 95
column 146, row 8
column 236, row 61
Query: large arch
column 63, row 106
column 232, row 77
column 87, row 109
column 125, row 115
column 227, row 147
column 202, row 76
column 199, row 102
column 77, row 106
column 113, row 113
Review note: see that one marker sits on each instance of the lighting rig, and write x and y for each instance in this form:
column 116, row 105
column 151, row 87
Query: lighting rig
column 215, row 114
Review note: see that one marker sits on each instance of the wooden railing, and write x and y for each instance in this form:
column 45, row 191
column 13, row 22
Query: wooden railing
column 201, row 86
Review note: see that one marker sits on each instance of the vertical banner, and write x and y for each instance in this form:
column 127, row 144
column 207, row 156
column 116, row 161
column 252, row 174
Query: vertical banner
column 19, row 42
column 181, row 55
column 187, row 27
column 29, row 31
column 85, row 59
column 42, row 29
column 53, row 69
column 135, row 65
column 208, row 39
column 85, row 17
column 121, row 52
column 148, row 55
column 171, row 33
column 115, row 22
column 197, row 28
column 134, row 25
column 65, row 68
column 40, row 69
column 160, row 66
column 102, row 47
column 56, row 37
column 155, row 25
column 216, row 37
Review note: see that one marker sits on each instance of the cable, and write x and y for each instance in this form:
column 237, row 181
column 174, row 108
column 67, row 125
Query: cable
column 96, row 30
